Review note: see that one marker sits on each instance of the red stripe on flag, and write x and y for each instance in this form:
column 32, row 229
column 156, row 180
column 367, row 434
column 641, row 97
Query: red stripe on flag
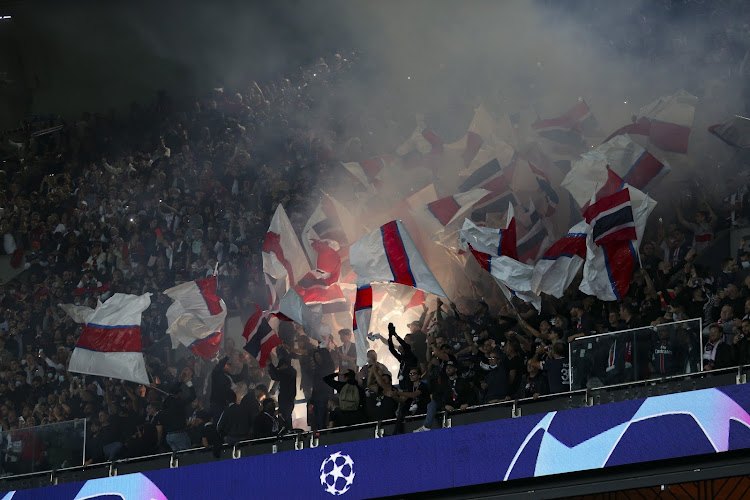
column 508, row 245
column 483, row 259
column 364, row 298
column 207, row 287
column 110, row 339
column 266, row 346
column 208, row 347
column 646, row 168
column 396, row 254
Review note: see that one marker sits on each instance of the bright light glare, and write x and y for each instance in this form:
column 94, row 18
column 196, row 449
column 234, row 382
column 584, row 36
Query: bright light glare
column 4, row 17
column 624, row 102
column 408, row 78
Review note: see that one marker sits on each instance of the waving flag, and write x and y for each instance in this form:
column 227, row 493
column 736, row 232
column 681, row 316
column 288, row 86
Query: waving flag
column 611, row 218
column 388, row 254
column 368, row 172
column 329, row 221
column 260, row 338
column 666, row 122
column 487, row 138
column 80, row 314
column 531, row 245
column 545, row 185
column 450, row 209
column 608, row 269
column 493, row 241
column 735, row 131
column 361, row 324
column 110, row 344
column 513, row 277
column 283, row 257
column 196, row 317
column 568, row 128
column 294, row 308
column 630, row 161
column 559, row 265
column 496, row 179
column 320, row 287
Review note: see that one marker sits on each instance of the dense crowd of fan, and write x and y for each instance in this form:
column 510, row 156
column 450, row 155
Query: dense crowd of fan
column 139, row 203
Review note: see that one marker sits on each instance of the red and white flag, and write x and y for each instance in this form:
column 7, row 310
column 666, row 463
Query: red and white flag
column 666, row 122
column 389, row 255
column 513, row 277
column 110, row 344
column 284, row 259
column 196, row 317
column 611, row 218
column 260, row 338
column 560, row 264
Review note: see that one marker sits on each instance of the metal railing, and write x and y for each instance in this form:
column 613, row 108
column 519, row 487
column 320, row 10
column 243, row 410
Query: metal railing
column 651, row 352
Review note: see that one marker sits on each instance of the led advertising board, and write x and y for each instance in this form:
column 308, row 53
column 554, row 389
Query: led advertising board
column 660, row 427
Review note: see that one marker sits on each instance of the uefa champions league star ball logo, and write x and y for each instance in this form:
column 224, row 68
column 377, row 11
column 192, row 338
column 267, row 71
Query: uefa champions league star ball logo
column 337, row 473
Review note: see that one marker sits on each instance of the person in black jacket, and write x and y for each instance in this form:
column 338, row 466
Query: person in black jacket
column 404, row 354
column 321, row 391
column 266, row 424
column 348, row 416
column 716, row 353
column 451, row 392
column 234, row 422
column 221, row 386
column 285, row 374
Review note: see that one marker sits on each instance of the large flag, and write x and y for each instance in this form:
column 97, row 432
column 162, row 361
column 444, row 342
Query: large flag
column 293, row 307
column 486, row 139
column 450, row 209
column 611, row 218
column 388, row 254
column 666, row 122
column 492, row 241
column 110, row 344
column 536, row 240
column 260, row 338
column 320, row 286
column 545, row 186
column 735, row 131
column 80, row 314
column 513, row 277
column 329, row 221
column 283, row 257
column 570, row 127
column 369, row 172
column 361, row 324
column 559, row 265
column 629, row 160
column 608, row 269
column 196, row 317
column 496, row 178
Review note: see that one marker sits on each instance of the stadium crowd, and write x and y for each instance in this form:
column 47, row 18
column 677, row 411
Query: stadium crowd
column 137, row 204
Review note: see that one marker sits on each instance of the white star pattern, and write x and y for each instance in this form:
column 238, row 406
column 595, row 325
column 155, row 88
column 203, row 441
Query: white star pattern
column 337, row 473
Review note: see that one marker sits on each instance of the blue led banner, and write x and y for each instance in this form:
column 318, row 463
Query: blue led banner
column 660, row 427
